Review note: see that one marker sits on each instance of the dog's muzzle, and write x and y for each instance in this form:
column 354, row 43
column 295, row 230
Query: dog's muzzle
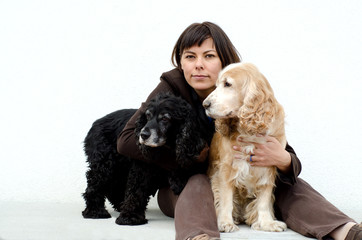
column 149, row 137
column 145, row 134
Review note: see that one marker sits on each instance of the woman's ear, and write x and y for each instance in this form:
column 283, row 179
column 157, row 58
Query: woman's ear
column 181, row 67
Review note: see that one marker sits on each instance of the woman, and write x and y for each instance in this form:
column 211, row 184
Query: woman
column 200, row 53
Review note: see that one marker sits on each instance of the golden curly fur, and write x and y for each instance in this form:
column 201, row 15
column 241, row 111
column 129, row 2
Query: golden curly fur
column 243, row 105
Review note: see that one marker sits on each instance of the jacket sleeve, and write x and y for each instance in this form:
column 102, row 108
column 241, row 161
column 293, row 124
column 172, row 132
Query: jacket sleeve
column 296, row 168
column 126, row 142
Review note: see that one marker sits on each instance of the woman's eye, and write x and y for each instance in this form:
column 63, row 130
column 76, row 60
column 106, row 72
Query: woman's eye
column 189, row 56
column 210, row 55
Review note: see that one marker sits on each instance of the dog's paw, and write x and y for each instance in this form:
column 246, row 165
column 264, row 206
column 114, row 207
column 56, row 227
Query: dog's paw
column 227, row 227
column 131, row 219
column 95, row 213
column 237, row 221
column 269, row 226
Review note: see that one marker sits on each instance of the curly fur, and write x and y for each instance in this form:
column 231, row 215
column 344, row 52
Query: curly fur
column 127, row 183
column 244, row 105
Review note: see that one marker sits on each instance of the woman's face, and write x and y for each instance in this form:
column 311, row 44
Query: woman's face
column 201, row 66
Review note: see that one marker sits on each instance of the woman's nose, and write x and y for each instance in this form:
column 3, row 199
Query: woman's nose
column 199, row 63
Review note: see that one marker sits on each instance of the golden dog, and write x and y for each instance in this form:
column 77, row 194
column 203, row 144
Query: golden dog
column 243, row 105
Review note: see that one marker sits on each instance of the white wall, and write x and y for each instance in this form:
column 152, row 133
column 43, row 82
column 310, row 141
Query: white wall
column 64, row 64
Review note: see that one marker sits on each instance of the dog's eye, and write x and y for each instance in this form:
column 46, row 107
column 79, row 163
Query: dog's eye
column 227, row 84
column 148, row 115
column 165, row 118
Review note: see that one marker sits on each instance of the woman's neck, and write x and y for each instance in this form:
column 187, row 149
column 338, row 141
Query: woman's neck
column 203, row 93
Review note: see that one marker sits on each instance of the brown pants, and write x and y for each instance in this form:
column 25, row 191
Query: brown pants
column 302, row 208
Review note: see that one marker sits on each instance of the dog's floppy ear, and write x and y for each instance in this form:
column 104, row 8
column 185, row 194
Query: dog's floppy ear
column 189, row 142
column 259, row 105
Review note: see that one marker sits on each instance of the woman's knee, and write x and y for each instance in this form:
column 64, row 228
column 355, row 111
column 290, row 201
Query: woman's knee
column 166, row 200
column 198, row 183
column 199, row 179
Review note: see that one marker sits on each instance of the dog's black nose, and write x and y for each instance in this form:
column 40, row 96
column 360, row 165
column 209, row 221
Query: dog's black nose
column 206, row 104
column 145, row 134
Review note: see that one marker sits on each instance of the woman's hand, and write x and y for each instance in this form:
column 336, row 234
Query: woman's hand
column 270, row 153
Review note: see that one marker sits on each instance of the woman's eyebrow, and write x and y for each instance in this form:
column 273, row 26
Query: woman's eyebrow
column 211, row 50
column 189, row 51
column 207, row 51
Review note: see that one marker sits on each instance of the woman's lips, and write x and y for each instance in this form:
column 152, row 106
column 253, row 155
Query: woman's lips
column 199, row 77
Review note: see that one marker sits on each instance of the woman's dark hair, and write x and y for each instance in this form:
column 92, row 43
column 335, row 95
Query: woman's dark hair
column 197, row 33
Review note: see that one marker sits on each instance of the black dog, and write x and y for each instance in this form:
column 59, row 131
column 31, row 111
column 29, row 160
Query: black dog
column 168, row 123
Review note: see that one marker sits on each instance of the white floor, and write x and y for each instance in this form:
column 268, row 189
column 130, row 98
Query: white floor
column 51, row 221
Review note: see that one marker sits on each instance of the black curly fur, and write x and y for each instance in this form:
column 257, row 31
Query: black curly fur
column 127, row 183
